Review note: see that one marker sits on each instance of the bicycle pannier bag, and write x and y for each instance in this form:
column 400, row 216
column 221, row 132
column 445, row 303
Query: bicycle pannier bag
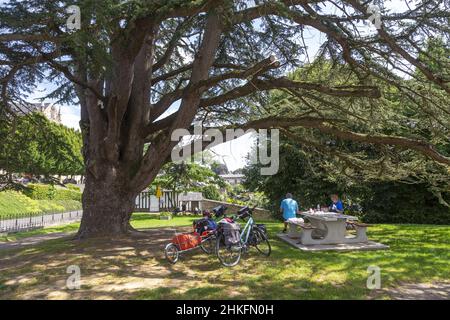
column 231, row 233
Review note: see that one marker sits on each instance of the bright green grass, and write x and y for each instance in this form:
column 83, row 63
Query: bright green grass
column 14, row 203
column 145, row 220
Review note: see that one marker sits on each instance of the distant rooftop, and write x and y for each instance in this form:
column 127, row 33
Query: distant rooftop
column 49, row 110
column 231, row 175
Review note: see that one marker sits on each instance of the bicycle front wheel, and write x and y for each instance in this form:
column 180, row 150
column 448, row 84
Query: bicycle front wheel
column 262, row 244
column 229, row 256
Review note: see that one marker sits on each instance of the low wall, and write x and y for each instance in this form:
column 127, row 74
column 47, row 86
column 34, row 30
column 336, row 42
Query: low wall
column 258, row 213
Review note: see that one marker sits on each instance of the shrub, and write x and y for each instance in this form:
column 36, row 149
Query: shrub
column 210, row 192
column 40, row 191
column 73, row 187
column 66, row 194
column 50, row 192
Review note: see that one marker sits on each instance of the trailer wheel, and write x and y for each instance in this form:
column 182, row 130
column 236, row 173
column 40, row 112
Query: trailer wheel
column 171, row 252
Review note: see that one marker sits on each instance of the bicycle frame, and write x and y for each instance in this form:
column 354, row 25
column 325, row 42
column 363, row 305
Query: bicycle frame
column 245, row 234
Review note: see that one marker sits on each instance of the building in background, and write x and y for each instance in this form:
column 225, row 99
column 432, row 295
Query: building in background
column 51, row 111
column 232, row 178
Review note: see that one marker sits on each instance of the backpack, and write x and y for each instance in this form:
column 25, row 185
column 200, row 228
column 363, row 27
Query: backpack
column 231, row 232
column 212, row 225
column 203, row 225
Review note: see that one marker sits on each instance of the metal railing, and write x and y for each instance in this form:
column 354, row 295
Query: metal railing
column 29, row 221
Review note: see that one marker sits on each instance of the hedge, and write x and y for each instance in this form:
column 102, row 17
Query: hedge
column 13, row 202
column 73, row 187
column 50, row 192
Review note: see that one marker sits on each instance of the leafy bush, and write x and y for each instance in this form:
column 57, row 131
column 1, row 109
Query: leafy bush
column 211, row 192
column 50, row 192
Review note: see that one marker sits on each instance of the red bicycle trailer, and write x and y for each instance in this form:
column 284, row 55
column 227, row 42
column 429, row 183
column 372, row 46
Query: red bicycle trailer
column 185, row 242
column 203, row 237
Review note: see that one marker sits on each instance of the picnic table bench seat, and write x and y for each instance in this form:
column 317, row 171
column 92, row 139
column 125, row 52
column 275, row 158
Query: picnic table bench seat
column 361, row 229
column 301, row 224
column 294, row 224
column 359, row 224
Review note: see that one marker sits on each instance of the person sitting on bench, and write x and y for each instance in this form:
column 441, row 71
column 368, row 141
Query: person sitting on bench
column 336, row 205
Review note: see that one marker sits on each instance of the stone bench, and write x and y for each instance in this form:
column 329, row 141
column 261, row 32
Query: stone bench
column 298, row 228
column 361, row 230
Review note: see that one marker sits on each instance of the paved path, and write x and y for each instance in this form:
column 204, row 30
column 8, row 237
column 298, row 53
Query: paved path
column 41, row 220
column 32, row 240
column 421, row 291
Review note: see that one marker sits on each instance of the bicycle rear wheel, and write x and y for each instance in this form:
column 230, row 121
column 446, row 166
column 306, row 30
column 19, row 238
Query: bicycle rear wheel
column 229, row 256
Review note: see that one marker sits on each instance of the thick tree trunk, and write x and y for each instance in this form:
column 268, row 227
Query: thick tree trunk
column 107, row 206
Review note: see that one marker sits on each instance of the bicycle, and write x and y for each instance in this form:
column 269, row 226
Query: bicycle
column 252, row 235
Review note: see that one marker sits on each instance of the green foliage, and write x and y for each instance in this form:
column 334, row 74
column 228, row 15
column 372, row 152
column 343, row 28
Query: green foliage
column 73, row 187
column 296, row 175
column 50, row 192
column 211, row 192
column 311, row 181
column 33, row 144
column 314, row 164
column 13, row 202
column 182, row 177
column 395, row 114
column 393, row 202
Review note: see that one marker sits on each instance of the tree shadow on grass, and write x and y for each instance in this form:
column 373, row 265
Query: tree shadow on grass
column 136, row 268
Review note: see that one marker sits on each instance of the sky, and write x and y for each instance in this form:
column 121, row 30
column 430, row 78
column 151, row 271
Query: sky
column 232, row 153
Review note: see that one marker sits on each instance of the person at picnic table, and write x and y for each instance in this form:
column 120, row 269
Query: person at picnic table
column 289, row 209
column 336, row 205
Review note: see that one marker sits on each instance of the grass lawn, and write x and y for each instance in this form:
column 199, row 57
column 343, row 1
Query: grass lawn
column 136, row 269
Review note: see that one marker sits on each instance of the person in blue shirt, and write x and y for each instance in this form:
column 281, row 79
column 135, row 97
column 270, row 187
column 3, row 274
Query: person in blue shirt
column 336, row 205
column 289, row 209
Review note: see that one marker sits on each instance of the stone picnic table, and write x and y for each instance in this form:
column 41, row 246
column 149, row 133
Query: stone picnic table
column 326, row 228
